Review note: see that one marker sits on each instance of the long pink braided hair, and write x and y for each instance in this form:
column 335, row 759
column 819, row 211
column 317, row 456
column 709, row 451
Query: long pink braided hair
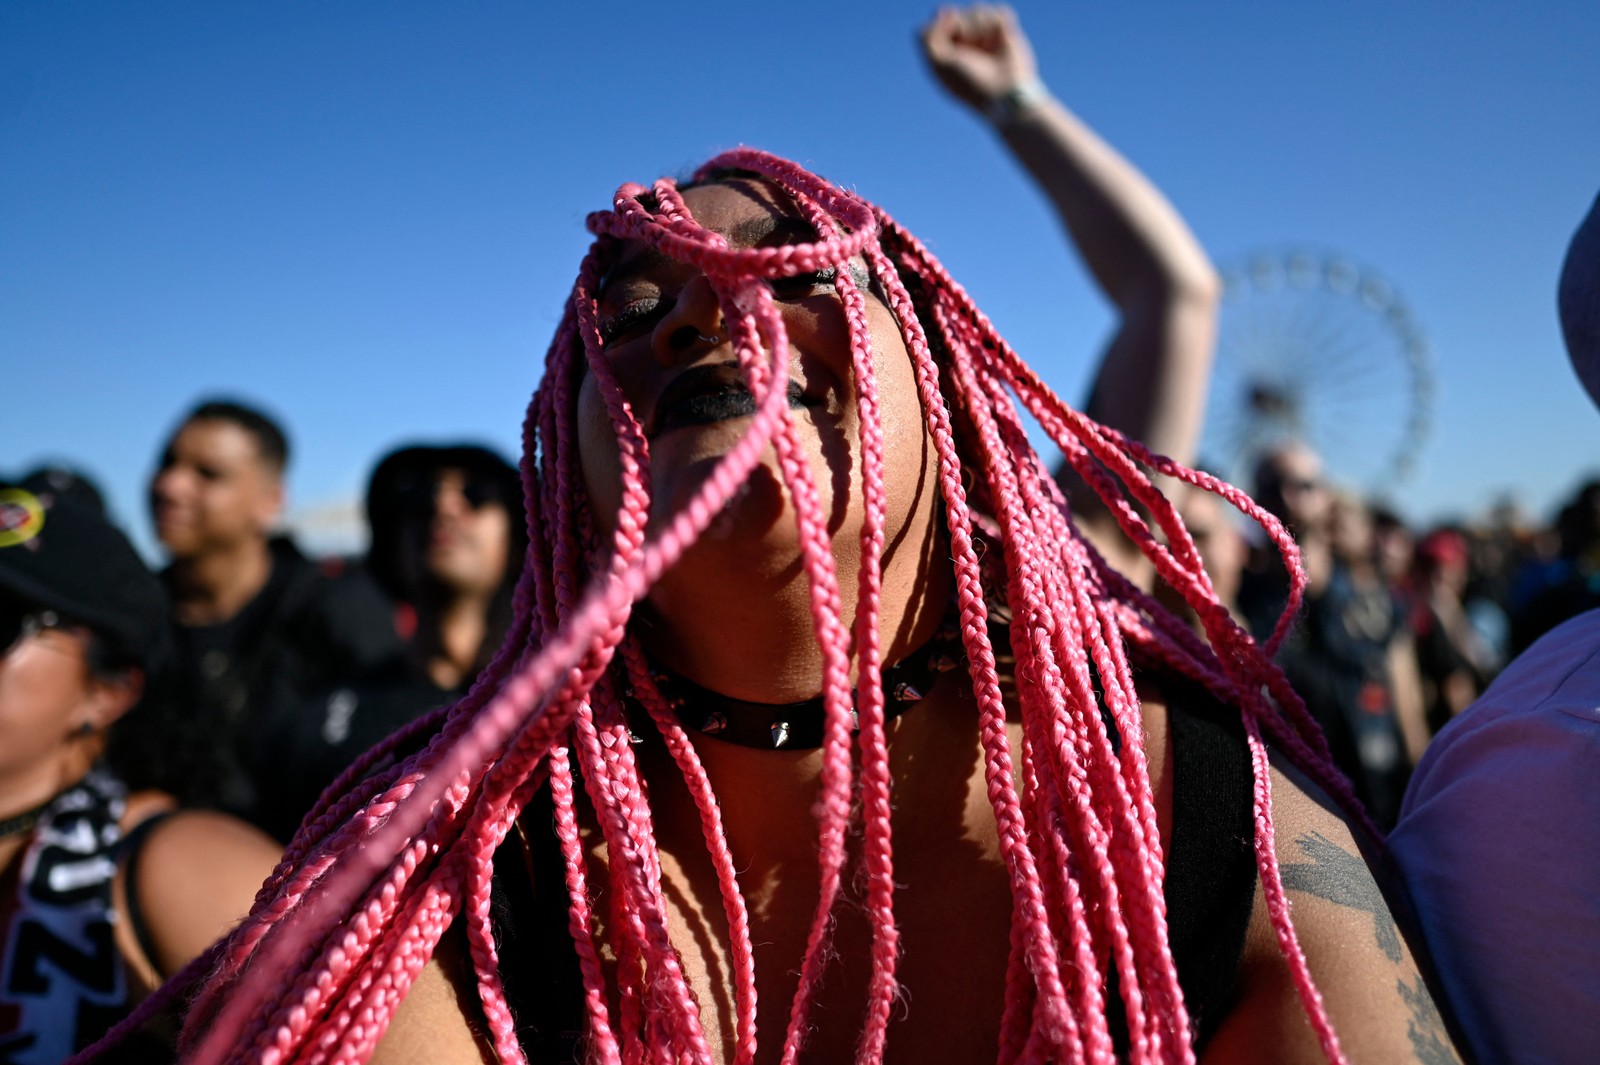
column 402, row 846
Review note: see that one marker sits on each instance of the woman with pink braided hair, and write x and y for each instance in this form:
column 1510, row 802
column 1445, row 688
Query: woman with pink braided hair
column 822, row 733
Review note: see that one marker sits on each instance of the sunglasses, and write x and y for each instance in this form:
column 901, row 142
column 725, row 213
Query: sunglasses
column 419, row 498
column 20, row 621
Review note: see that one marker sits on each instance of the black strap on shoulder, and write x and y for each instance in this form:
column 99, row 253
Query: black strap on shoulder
column 538, row 965
column 1211, row 873
column 1211, row 869
column 130, row 851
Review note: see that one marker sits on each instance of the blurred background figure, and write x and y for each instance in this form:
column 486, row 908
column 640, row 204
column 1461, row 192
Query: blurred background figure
column 103, row 894
column 1350, row 656
column 1499, row 842
column 1551, row 590
column 447, row 543
column 1454, row 660
column 448, row 540
column 1222, row 546
column 1289, row 484
column 257, row 626
column 1393, row 546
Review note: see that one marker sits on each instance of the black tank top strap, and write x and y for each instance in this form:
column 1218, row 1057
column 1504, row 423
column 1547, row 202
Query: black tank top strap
column 1211, row 868
column 130, row 852
column 538, row 966
column 1211, row 873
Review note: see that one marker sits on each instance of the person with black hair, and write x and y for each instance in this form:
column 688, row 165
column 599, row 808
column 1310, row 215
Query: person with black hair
column 447, row 547
column 103, row 893
column 447, row 541
column 257, row 626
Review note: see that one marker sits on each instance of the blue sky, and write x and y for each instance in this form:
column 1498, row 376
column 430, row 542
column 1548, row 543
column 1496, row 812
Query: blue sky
column 365, row 216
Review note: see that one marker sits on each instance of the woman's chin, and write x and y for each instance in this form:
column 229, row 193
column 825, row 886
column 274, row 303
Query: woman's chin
column 758, row 517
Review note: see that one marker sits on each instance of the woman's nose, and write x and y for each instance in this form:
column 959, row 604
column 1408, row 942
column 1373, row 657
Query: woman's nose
column 693, row 325
column 449, row 500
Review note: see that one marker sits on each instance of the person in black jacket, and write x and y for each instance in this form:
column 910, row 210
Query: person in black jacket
column 257, row 625
column 447, row 546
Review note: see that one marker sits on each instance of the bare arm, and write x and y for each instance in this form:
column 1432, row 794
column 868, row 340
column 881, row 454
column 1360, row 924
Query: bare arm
column 198, row 876
column 1371, row 984
column 1152, row 379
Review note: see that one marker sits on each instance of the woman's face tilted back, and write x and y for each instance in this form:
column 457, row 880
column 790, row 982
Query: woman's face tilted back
column 669, row 348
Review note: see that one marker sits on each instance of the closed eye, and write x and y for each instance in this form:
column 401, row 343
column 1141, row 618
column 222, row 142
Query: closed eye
column 799, row 286
column 632, row 318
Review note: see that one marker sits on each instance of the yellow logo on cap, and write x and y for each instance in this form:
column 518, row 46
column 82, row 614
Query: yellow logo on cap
column 21, row 516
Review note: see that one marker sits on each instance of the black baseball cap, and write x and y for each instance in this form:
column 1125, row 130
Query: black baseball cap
column 62, row 555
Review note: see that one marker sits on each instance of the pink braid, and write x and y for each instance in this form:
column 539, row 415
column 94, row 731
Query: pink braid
column 1040, row 950
column 1039, row 680
column 1102, row 443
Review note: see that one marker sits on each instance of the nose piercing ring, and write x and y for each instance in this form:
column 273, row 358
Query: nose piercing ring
column 710, row 339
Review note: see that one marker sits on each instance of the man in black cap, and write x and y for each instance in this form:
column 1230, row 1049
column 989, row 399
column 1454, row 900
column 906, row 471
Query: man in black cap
column 1499, row 838
column 258, row 626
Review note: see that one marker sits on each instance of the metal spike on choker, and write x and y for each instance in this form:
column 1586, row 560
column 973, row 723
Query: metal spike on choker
column 798, row 725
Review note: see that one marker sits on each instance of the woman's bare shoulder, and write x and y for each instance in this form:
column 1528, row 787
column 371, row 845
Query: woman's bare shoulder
column 198, row 873
column 434, row 1023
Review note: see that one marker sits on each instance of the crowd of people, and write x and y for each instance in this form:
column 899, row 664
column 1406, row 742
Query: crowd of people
column 546, row 775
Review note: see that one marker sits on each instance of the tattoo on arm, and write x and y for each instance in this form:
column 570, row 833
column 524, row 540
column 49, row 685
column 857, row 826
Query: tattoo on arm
column 1429, row 1040
column 1342, row 878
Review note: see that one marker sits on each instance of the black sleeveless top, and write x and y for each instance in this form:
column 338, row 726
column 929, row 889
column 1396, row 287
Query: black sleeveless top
column 1210, row 889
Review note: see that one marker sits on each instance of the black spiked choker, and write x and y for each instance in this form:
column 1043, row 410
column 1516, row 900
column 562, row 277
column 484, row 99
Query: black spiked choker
column 798, row 725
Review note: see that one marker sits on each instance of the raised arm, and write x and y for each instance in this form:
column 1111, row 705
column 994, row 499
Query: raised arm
column 1151, row 383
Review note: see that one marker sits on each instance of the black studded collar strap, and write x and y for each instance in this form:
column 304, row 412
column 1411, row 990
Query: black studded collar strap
column 799, row 725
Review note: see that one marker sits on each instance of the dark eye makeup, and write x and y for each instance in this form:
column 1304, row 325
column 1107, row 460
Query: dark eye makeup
column 631, row 318
column 799, row 286
column 639, row 315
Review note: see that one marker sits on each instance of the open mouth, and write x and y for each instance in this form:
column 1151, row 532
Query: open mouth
column 705, row 395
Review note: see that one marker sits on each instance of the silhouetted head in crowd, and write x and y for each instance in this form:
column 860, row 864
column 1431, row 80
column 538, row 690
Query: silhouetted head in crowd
column 82, row 624
column 1350, row 529
column 448, row 536
column 218, row 483
column 1289, row 483
column 1579, row 522
column 1392, row 543
column 1443, row 559
column 1221, row 543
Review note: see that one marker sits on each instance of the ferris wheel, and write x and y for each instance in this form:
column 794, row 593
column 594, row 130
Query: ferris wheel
column 1314, row 348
